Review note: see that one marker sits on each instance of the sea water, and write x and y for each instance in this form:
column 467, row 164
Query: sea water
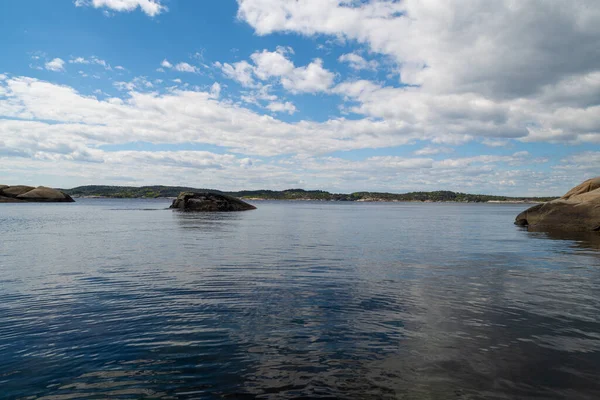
column 127, row 299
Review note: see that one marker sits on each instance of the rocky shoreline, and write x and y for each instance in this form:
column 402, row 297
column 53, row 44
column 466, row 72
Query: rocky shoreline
column 577, row 211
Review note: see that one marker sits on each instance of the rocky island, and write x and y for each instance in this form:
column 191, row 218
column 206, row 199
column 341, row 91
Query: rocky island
column 207, row 201
column 577, row 211
column 40, row 194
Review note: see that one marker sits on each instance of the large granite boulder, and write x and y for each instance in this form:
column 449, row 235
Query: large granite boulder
column 206, row 201
column 576, row 211
column 20, row 193
column 14, row 191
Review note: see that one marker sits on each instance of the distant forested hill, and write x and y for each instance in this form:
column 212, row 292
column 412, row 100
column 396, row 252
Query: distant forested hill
column 290, row 194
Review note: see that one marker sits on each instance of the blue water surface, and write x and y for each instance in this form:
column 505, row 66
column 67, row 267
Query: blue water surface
column 127, row 299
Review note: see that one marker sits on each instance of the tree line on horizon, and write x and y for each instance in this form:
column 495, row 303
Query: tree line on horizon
column 150, row 192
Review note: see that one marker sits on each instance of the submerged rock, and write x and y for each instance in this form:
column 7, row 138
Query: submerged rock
column 20, row 193
column 206, row 201
column 577, row 211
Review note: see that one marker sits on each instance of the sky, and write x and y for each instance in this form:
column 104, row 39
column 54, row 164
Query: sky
column 494, row 97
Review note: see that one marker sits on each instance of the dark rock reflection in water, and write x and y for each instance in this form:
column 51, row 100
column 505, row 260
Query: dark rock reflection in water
column 122, row 298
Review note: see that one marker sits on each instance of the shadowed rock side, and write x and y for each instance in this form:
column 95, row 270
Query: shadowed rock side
column 22, row 194
column 576, row 211
column 206, row 201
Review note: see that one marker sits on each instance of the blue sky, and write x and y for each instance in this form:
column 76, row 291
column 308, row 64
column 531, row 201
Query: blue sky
column 335, row 95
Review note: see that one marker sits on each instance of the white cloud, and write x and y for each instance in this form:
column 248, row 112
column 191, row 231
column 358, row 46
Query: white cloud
column 430, row 150
column 288, row 107
column 90, row 60
column 263, row 93
column 138, row 83
column 149, row 7
column 185, row 67
column 504, row 50
column 56, row 65
column 310, row 79
column 357, row 62
column 496, row 142
column 195, row 115
column 495, row 72
column 266, row 65
column 239, row 71
column 269, row 64
column 81, row 124
column 462, row 117
column 79, row 60
column 181, row 67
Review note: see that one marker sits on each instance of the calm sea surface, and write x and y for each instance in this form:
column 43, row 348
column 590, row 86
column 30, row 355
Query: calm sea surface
column 125, row 299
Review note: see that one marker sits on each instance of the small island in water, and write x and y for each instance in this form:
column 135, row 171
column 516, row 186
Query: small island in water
column 206, row 201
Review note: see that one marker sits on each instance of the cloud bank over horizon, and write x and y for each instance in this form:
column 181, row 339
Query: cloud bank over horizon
column 377, row 95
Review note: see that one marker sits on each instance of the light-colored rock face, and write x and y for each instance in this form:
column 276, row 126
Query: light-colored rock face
column 42, row 192
column 577, row 211
column 17, row 190
column 15, row 194
column 588, row 188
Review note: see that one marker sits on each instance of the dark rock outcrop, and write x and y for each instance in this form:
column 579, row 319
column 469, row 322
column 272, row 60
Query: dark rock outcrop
column 576, row 211
column 205, row 201
column 4, row 199
column 20, row 193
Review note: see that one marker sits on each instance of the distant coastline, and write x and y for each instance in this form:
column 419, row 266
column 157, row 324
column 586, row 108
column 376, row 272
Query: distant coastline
column 153, row 192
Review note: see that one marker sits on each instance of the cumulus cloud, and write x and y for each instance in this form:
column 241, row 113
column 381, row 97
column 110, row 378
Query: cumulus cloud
column 150, row 7
column 526, row 71
column 55, row 65
column 240, row 71
column 462, row 117
column 504, row 50
column 185, row 67
column 287, row 107
column 266, row 65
